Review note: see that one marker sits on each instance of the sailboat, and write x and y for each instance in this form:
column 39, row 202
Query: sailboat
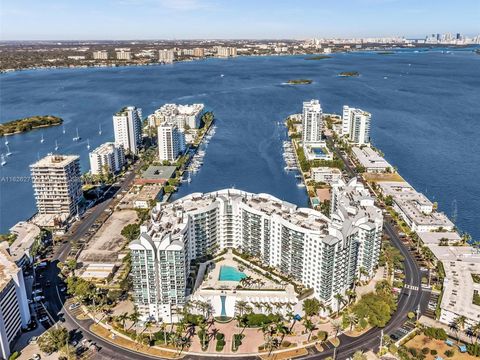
column 3, row 161
column 100, row 129
column 6, row 141
column 42, row 139
column 189, row 179
column 88, row 144
column 63, row 130
column 8, row 150
column 76, row 138
column 56, row 145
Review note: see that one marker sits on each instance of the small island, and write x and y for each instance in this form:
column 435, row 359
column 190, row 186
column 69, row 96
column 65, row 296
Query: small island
column 319, row 57
column 299, row 82
column 349, row 73
column 29, row 123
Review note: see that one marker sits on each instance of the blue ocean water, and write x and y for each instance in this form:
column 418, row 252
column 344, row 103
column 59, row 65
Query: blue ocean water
column 425, row 106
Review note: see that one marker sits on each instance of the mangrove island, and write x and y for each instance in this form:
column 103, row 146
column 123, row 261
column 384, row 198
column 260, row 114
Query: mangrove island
column 319, row 57
column 29, row 123
column 299, row 82
column 349, row 73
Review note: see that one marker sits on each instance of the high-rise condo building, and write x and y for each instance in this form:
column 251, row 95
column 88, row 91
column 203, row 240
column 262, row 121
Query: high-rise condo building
column 14, row 309
column 171, row 141
column 166, row 56
column 127, row 127
column 57, row 184
column 199, row 52
column 107, row 158
column 100, row 55
column 124, row 55
column 226, row 51
column 322, row 253
column 185, row 116
column 356, row 125
column 312, row 122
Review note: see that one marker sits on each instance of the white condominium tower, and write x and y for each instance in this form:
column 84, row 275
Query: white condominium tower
column 127, row 126
column 322, row 253
column 186, row 116
column 312, row 122
column 57, row 184
column 124, row 55
column 171, row 141
column 356, row 125
column 226, row 51
column 14, row 310
column 107, row 158
column 166, row 56
column 100, row 55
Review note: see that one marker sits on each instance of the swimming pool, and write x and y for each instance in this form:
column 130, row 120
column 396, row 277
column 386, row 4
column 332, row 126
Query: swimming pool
column 229, row 273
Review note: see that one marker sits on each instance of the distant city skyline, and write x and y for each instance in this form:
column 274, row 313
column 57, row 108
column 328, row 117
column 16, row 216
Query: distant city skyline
column 234, row 19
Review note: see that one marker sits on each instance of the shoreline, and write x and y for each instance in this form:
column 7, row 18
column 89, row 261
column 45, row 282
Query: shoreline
column 471, row 48
column 33, row 128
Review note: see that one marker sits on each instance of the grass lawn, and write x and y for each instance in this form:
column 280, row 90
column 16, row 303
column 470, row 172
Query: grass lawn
column 395, row 177
column 421, row 341
column 291, row 354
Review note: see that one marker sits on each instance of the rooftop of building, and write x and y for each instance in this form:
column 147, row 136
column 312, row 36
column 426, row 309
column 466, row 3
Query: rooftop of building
column 326, row 169
column 158, row 172
column 435, row 237
column 123, row 111
column 178, row 109
column 409, row 201
column 104, row 149
column 369, row 158
column 8, row 268
column 148, row 192
column 460, row 263
column 55, row 161
column 26, row 235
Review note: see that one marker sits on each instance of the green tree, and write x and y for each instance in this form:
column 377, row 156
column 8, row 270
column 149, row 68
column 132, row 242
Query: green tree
column 131, row 232
column 351, row 319
column 53, row 339
column 359, row 355
column 309, row 326
column 311, row 307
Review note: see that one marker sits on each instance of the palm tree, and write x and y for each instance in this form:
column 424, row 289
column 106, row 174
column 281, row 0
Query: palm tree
column 281, row 329
column 134, row 317
column 203, row 331
column 476, row 331
column 147, row 326
column 359, row 355
column 339, row 298
column 351, row 319
column 337, row 326
column 291, row 316
column 122, row 318
column 268, row 308
column 460, row 325
column 309, row 326
column 241, row 307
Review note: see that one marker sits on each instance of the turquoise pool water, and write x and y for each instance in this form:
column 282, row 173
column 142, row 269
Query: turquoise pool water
column 229, row 273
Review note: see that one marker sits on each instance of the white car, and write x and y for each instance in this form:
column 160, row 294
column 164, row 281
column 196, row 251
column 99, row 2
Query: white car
column 33, row 340
column 36, row 357
column 74, row 306
column 38, row 298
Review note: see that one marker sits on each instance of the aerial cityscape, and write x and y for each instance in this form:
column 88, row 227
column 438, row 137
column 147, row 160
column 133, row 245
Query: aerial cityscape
column 251, row 180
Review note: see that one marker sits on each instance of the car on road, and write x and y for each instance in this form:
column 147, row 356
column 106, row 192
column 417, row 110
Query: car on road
column 33, row 340
column 74, row 306
column 38, row 298
column 43, row 319
column 62, row 288
column 35, row 357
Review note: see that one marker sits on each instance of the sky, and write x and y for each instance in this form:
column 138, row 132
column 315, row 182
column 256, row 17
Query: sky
column 233, row 19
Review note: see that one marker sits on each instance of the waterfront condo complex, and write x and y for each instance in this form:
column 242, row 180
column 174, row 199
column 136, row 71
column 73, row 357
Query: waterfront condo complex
column 322, row 253
column 127, row 127
column 185, row 116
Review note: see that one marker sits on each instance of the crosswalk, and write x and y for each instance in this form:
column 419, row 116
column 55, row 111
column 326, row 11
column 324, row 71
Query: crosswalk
column 411, row 287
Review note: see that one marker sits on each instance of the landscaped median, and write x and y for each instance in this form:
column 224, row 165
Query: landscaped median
column 122, row 341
